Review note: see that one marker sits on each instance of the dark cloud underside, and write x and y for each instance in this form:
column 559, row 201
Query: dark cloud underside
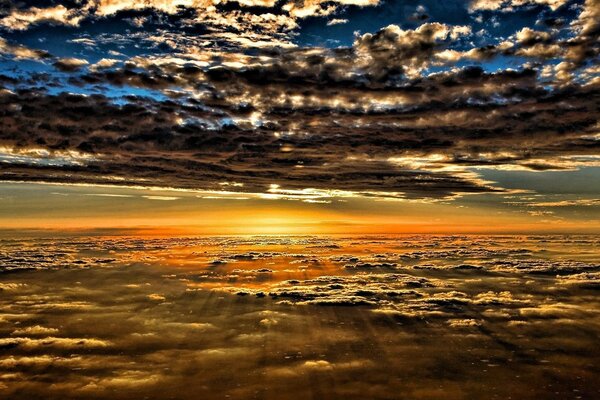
column 195, row 99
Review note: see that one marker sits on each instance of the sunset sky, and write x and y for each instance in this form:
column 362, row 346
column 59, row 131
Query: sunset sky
column 299, row 199
column 263, row 116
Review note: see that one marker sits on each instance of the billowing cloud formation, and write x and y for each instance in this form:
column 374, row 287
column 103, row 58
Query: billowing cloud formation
column 192, row 99
column 21, row 52
column 20, row 19
column 69, row 64
column 409, row 147
column 395, row 51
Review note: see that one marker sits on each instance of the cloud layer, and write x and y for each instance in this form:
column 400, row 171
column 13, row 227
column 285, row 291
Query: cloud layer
column 191, row 99
column 298, row 316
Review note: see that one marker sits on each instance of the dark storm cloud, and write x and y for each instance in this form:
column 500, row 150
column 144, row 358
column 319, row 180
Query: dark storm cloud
column 227, row 96
column 468, row 116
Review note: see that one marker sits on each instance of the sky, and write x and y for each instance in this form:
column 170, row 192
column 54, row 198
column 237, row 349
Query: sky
column 264, row 116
